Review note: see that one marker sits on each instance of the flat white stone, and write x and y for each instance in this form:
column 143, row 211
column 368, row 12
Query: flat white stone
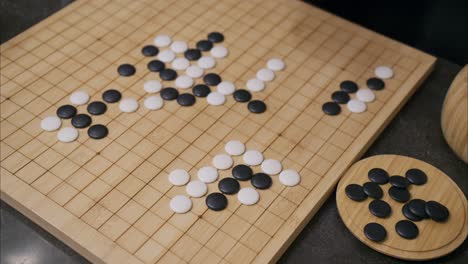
column 79, row 97
column 219, row 52
column 196, row 189
column 255, row 85
column 356, row 106
column 180, row 204
column 180, row 64
column 265, row 75
column 152, row 86
column 365, row 95
column 128, row 105
column 383, row 72
column 222, row 161
column 183, row 82
column 206, row 62
column 271, row 166
column 248, row 196
column 162, row 41
column 234, row 148
column 226, row 88
column 154, row 102
column 215, row 98
column 194, row 71
column 289, row 177
column 252, row 157
column 51, row 123
column 207, row 174
column 275, row 64
column 179, row 177
column 179, row 46
column 67, row 134
column 166, row 56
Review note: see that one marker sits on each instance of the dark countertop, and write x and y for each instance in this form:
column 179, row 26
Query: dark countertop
column 414, row 132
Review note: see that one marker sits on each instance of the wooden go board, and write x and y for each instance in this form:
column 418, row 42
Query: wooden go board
column 108, row 199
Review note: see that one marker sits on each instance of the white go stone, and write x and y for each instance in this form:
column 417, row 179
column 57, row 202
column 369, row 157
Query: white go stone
column 180, row 204
column 79, row 98
column 67, row 134
column 289, row 177
column 248, row 196
column 179, row 177
column 152, row 86
column 356, row 106
column 206, row 62
column 226, row 88
column 265, row 75
column 180, row 64
column 255, row 85
column 275, row 64
column 365, row 95
column 153, row 102
column 219, row 52
column 271, row 166
column 179, row 46
column 162, row 41
column 183, row 82
column 51, row 123
column 215, row 98
column 222, row 161
column 234, row 148
column 207, row 174
column 252, row 157
column 383, row 72
column 194, row 71
column 128, row 105
column 166, row 56
column 196, row 189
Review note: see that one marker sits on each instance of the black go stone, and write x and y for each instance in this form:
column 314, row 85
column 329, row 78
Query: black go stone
column 229, row 186
column 204, row 45
column 380, row 208
column 407, row 229
column 168, row 74
column 97, row 108
column 216, row 201
column 378, row 176
column 111, row 96
column 156, row 66
column 186, row 99
column 399, row 194
column 375, row 84
column 437, row 211
column 256, row 106
column 150, row 51
column 81, row 121
column 126, row 70
column 331, row 108
column 416, row 176
column 348, row 87
column 375, row 232
column 192, row 54
column 201, row 90
column 418, row 208
column 372, row 190
column 408, row 214
column 355, row 192
column 399, row 182
column 98, row 131
column 340, row 97
column 261, row 181
column 242, row 172
column 66, row 111
column 242, row 96
column 215, row 37
column 211, row 79
column 169, row 93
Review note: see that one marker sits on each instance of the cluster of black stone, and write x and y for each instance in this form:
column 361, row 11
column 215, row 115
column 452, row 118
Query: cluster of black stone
column 414, row 210
column 217, row 201
column 342, row 96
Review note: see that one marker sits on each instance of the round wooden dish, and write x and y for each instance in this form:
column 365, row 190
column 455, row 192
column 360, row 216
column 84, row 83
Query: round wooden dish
column 434, row 239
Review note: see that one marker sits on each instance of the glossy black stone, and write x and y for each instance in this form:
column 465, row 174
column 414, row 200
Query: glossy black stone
column 355, row 192
column 375, row 84
column 201, row 90
column 192, row 54
column 229, row 186
column 340, row 97
column 168, row 74
column 256, row 106
column 372, row 190
column 407, row 229
column 98, row 131
column 96, row 108
column 66, row 111
column 81, row 121
column 242, row 96
column 242, row 172
column 186, row 99
column 211, row 79
column 416, row 176
column 216, row 201
column 204, row 45
column 126, row 70
column 418, row 208
column 436, row 211
column 348, row 87
column 111, row 96
column 150, row 51
column 215, row 37
column 169, row 93
column 261, row 181
column 375, row 232
column 408, row 214
column 380, row 208
column 399, row 181
column 399, row 194
column 378, row 176
column 331, row 108
column 156, row 66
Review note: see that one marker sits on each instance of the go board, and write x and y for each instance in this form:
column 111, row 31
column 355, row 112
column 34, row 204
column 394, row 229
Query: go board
column 109, row 198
